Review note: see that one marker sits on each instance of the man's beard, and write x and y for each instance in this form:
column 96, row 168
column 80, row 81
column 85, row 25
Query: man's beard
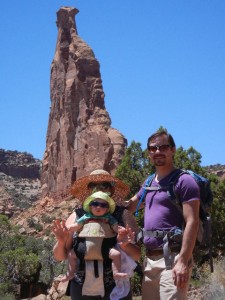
column 159, row 161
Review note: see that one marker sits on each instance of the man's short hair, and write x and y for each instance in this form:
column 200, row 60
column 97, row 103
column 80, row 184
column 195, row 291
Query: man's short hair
column 160, row 133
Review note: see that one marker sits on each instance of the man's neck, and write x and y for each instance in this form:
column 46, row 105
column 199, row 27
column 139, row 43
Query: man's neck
column 162, row 172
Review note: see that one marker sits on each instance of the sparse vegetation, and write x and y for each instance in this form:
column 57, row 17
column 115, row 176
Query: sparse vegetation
column 24, row 260
column 33, row 222
column 47, row 219
column 209, row 286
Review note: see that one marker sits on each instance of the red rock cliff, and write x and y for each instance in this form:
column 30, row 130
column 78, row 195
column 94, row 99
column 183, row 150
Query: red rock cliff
column 79, row 136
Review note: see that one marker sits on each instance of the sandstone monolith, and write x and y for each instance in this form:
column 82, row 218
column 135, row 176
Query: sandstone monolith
column 79, row 136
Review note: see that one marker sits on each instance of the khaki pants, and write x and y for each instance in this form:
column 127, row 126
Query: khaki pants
column 158, row 283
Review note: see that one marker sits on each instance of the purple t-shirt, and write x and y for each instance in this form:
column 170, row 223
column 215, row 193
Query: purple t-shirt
column 160, row 213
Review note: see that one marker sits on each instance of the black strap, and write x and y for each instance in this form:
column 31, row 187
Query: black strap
column 96, row 269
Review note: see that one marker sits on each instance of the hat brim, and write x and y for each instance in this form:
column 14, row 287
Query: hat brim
column 81, row 191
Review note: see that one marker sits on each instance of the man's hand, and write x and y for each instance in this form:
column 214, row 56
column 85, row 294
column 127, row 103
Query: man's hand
column 180, row 274
column 131, row 204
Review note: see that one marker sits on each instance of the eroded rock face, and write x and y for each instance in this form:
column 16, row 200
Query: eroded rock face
column 79, row 136
column 19, row 181
column 19, row 164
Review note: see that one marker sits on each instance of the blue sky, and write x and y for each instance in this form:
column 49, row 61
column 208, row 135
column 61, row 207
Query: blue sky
column 162, row 63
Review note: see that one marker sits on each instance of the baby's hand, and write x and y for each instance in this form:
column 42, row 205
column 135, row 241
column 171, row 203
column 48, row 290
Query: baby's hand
column 125, row 235
column 122, row 229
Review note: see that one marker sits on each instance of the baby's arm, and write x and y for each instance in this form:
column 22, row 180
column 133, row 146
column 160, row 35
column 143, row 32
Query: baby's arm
column 113, row 223
column 115, row 227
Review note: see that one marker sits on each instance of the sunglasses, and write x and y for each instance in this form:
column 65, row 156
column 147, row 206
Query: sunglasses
column 100, row 185
column 161, row 148
column 100, row 204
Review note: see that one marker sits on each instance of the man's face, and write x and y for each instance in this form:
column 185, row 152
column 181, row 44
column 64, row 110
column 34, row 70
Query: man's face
column 160, row 152
column 105, row 187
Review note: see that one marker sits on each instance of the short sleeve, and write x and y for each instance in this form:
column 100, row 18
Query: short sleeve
column 187, row 188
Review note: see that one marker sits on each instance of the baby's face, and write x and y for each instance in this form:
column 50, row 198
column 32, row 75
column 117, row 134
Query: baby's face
column 99, row 207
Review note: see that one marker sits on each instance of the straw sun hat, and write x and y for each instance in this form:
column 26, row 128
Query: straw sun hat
column 81, row 191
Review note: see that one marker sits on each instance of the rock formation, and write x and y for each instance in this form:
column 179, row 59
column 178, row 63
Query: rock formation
column 79, row 137
column 19, row 181
column 19, row 164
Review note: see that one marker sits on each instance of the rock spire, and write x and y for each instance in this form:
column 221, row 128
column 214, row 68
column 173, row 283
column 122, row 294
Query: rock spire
column 79, row 136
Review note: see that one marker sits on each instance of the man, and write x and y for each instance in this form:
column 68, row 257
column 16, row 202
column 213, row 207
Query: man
column 168, row 265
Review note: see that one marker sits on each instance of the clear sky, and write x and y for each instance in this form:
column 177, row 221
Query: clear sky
column 162, row 63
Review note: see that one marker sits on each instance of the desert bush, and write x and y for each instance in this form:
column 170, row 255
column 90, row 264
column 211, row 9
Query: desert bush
column 47, row 219
column 8, row 296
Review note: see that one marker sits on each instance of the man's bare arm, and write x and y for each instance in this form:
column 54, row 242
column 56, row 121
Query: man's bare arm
column 191, row 217
column 132, row 204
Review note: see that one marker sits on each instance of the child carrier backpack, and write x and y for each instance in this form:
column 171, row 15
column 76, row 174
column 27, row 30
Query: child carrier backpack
column 204, row 236
column 80, row 246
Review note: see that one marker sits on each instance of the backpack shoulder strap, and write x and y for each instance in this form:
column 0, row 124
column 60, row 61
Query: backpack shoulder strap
column 80, row 212
column 147, row 184
column 171, row 189
column 176, row 175
column 118, row 214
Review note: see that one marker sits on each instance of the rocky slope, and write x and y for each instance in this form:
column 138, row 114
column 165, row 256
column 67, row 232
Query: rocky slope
column 218, row 170
column 20, row 193
column 19, row 181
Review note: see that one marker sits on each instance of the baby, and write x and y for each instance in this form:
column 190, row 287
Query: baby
column 97, row 223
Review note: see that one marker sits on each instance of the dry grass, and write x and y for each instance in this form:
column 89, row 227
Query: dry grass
column 210, row 286
column 215, row 286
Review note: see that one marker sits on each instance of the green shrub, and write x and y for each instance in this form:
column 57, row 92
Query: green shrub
column 47, row 219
